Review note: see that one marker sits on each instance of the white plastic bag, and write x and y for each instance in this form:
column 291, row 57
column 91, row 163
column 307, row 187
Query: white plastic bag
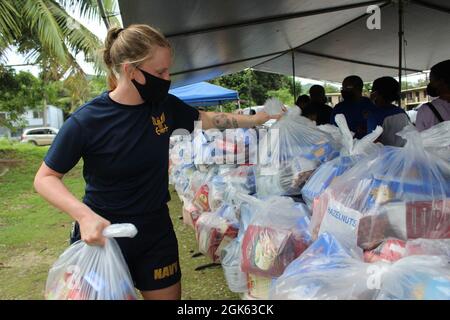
column 231, row 264
column 402, row 193
column 290, row 151
column 85, row 272
column 352, row 152
column 416, row 278
column 214, row 230
column 276, row 235
column 325, row 271
column 435, row 140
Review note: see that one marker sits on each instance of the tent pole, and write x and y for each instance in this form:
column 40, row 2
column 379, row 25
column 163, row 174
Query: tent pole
column 293, row 74
column 400, row 46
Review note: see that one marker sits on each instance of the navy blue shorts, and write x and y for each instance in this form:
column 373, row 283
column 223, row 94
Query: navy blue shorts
column 152, row 255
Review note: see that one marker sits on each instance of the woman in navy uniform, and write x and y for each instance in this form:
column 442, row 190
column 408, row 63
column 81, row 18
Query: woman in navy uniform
column 123, row 137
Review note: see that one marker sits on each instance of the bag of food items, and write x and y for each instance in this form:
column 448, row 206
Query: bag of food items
column 401, row 193
column 85, row 272
column 276, row 235
column 290, row 151
column 353, row 151
column 215, row 230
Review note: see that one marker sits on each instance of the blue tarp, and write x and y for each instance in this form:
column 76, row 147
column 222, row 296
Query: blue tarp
column 204, row 94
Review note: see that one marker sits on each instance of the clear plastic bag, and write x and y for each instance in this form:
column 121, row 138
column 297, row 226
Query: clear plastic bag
column 290, row 151
column 327, row 270
column 435, row 140
column 85, row 272
column 276, row 235
column 401, row 193
column 214, row 230
column 231, row 264
column 392, row 249
column 416, row 278
column 353, row 151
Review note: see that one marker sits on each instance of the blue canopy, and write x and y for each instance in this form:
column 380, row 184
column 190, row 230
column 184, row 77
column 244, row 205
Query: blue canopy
column 204, row 94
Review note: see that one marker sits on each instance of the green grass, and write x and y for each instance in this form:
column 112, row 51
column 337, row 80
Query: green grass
column 33, row 233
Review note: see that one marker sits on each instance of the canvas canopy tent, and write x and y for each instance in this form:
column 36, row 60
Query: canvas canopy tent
column 204, row 94
column 327, row 39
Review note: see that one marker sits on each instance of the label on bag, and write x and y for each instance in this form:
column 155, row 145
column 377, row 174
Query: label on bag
column 342, row 222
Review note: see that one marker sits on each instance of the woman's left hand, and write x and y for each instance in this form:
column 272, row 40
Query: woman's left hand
column 262, row 117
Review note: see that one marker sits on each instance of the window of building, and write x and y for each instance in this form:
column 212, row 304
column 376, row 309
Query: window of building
column 37, row 115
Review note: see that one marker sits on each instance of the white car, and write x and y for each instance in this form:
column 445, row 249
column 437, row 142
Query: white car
column 39, row 136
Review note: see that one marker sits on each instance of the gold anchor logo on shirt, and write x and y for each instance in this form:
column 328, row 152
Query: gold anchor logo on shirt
column 159, row 123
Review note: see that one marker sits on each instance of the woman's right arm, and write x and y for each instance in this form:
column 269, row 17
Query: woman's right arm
column 48, row 183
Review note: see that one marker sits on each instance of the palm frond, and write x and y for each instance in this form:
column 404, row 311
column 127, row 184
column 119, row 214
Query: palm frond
column 78, row 38
column 86, row 8
column 41, row 19
column 9, row 28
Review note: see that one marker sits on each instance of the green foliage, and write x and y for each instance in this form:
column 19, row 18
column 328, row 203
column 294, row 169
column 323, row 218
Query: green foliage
column 284, row 95
column 18, row 92
column 254, row 86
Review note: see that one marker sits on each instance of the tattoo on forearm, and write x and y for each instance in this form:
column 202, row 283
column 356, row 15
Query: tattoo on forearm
column 223, row 121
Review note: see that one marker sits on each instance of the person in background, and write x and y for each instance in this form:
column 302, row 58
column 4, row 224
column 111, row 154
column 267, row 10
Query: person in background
column 390, row 117
column 123, row 137
column 316, row 109
column 354, row 106
column 438, row 110
column 302, row 101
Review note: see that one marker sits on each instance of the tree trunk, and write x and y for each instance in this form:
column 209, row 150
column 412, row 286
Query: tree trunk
column 44, row 112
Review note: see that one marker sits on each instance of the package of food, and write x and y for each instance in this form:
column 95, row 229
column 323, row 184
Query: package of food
column 406, row 220
column 327, row 270
column 258, row 286
column 401, row 193
column 214, row 233
column 190, row 214
column 353, row 151
column 390, row 250
column 86, row 272
column 291, row 149
column 416, row 278
column 275, row 236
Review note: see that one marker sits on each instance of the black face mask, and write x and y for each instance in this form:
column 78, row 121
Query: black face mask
column 431, row 91
column 154, row 89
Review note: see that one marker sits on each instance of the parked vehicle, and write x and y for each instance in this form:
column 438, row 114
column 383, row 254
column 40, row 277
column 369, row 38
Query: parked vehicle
column 39, row 136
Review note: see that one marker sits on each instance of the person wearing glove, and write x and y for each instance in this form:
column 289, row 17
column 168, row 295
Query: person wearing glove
column 123, row 138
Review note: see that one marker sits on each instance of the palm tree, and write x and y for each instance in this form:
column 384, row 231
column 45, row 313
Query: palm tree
column 48, row 24
column 50, row 36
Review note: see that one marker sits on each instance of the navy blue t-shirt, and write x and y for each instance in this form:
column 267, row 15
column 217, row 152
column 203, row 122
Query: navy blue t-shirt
column 125, row 150
column 356, row 114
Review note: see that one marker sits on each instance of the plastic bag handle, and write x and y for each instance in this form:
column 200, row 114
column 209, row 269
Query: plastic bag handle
column 120, row 230
column 347, row 136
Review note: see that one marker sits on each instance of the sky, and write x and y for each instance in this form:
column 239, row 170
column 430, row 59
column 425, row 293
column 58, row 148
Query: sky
column 99, row 29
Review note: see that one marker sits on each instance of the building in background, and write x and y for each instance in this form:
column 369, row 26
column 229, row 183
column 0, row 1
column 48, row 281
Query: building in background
column 414, row 97
column 34, row 119
column 333, row 98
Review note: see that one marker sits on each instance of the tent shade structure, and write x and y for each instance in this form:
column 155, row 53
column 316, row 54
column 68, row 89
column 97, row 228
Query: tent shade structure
column 204, row 94
column 329, row 39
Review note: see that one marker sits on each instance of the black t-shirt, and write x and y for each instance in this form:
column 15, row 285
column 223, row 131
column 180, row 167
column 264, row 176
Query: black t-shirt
column 125, row 150
column 321, row 113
